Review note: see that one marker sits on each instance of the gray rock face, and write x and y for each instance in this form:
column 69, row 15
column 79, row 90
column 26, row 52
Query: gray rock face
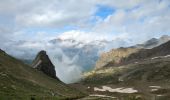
column 43, row 63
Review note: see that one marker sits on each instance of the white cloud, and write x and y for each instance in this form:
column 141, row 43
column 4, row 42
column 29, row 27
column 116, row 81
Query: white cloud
column 84, row 37
column 122, row 4
column 146, row 19
column 66, row 69
column 60, row 13
column 55, row 13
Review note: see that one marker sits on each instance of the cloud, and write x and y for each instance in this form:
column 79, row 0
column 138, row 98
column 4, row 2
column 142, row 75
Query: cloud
column 53, row 13
column 142, row 18
column 122, row 4
column 84, row 37
column 82, row 14
column 66, row 69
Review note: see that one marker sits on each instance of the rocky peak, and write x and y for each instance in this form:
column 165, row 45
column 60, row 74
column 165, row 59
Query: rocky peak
column 44, row 64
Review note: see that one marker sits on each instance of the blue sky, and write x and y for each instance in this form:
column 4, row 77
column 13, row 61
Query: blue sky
column 104, row 11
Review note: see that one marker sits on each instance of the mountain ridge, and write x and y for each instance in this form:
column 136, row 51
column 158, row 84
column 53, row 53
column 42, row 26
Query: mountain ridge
column 116, row 56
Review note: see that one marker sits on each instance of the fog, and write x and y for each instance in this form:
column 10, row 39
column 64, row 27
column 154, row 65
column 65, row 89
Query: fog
column 66, row 70
column 70, row 62
column 70, row 58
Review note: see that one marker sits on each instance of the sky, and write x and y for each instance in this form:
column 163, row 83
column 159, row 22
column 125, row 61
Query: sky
column 40, row 20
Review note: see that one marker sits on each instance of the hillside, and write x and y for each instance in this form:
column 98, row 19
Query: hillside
column 114, row 57
column 154, row 53
column 121, row 55
column 143, row 75
column 149, row 70
column 141, row 62
column 146, row 80
column 21, row 82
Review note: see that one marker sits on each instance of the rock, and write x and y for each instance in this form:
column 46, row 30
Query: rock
column 43, row 63
column 114, row 57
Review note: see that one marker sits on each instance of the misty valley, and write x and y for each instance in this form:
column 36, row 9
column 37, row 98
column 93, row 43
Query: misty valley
column 138, row 72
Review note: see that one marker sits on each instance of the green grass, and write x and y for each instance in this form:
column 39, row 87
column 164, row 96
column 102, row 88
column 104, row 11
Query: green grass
column 19, row 81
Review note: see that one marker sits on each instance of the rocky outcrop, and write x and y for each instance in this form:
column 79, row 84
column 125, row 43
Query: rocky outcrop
column 43, row 63
column 114, row 57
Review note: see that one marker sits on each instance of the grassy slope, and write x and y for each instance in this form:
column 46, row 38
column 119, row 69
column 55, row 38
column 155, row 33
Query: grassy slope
column 19, row 81
column 148, row 70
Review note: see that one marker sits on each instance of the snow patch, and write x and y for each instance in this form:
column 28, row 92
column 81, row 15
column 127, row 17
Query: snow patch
column 155, row 87
column 166, row 56
column 120, row 90
column 153, row 90
column 97, row 95
column 160, row 95
column 155, row 58
column 136, row 62
column 160, row 57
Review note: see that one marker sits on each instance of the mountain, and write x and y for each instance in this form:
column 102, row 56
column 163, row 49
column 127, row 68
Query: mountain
column 154, row 42
column 115, row 56
column 142, row 75
column 145, row 80
column 21, row 82
column 154, row 53
column 43, row 63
